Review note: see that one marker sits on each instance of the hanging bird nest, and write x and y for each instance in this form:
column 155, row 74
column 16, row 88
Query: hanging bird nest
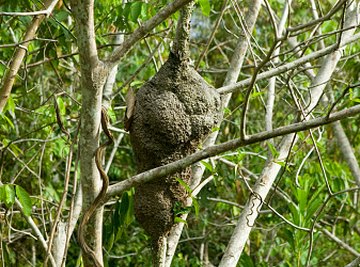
column 173, row 113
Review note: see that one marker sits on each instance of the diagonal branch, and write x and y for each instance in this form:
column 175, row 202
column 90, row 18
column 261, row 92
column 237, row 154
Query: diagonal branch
column 354, row 263
column 284, row 68
column 37, row 232
column 20, row 52
column 338, row 241
column 141, row 32
column 119, row 188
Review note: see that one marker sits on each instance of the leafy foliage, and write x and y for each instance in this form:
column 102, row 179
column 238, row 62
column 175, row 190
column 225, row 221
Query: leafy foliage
column 312, row 191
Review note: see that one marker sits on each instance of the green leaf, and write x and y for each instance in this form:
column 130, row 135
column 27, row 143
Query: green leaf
column 124, row 207
column 10, row 105
column 246, row 260
column 62, row 15
column 2, row 194
column 205, row 7
column 281, row 163
column 215, row 129
column 196, row 206
column 273, row 150
column 184, row 184
column 256, row 94
column 136, row 84
column 15, row 149
column 112, row 115
column 227, row 111
column 295, row 213
column 289, row 237
column 135, row 11
column 6, row 119
column 9, row 195
column 180, row 220
column 116, row 217
column 122, row 215
column 207, row 165
column 313, row 207
column 130, row 212
column 144, row 10
column 302, row 195
column 61, row 105
column 24, row 199
column 315, row 195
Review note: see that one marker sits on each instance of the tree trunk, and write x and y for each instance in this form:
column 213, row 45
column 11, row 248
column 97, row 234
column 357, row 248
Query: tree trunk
column 93, row 77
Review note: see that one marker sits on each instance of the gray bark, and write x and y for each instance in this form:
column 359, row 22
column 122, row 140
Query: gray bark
column 93, row 77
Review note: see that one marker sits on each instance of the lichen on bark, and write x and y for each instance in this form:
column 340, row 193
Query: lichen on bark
column 174, row 111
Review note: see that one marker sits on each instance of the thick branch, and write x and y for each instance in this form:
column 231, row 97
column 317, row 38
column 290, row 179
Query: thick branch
column 167, row 169
column 93, row 77
column 354, row 263
column 84, row 16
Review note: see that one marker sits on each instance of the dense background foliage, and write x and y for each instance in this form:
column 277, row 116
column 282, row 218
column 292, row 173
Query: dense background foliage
column 35, row 147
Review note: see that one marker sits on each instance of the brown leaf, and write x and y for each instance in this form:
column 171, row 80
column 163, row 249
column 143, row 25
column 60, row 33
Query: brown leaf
column 130, row 108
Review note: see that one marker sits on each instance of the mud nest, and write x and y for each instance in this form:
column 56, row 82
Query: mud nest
column 174, row 111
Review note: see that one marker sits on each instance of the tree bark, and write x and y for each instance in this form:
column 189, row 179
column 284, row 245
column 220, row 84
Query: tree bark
column 93, row 77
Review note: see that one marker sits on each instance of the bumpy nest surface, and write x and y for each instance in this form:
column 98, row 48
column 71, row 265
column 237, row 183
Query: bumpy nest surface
column 174, row 111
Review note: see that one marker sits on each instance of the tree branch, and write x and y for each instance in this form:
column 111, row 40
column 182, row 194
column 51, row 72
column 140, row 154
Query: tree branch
column 143, row 30
column 338, row 241
column 93, row 77
column 20, row 52
column 37, row 232
column 284, row 68
column 118, row 188
column 48, row 9
column 354, row 263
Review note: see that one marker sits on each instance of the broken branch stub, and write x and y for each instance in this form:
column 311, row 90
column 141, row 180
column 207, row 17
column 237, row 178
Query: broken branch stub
column 174, row 111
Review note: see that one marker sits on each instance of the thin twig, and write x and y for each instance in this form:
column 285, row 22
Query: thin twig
column 46, row 12
column 143, row 30
column 212, row 35
column 281, row 69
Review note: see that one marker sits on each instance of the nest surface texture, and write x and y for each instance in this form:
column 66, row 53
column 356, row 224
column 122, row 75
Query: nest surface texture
column 174, row 111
